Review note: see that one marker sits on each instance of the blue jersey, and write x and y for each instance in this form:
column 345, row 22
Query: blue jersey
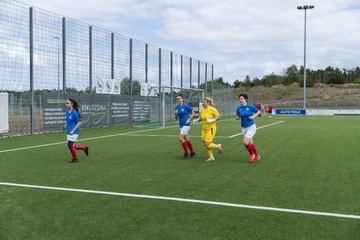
column 244, row 112
column 184, row 112
column 72, row 118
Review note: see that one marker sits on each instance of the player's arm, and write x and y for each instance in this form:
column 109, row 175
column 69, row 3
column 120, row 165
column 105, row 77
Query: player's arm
column 216, row 116
column 192, row 114
column 76, row 127
column 197, row 119
column 237, row 115
column 255, row 115
column 176, row 114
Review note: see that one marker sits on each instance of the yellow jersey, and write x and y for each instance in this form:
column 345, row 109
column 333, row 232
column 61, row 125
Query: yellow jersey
column 208, row 113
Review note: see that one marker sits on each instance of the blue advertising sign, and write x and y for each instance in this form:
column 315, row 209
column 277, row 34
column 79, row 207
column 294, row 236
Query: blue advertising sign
column 290, row 111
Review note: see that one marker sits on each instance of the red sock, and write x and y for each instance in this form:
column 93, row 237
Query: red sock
column 73, row 152
column 254, row 149
column 184, row 147
column 249, row 148
column 188, row 143
column 78, row 147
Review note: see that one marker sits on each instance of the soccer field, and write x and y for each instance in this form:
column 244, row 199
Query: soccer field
column 135, row 185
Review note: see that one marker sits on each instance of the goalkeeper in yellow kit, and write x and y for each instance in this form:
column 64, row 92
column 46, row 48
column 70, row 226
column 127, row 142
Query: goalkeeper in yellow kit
column 208, row 116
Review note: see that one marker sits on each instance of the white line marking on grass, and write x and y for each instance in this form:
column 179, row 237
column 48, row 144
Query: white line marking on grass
column 81, row 140
column 159, row 135
column 327, row 214
column 232, row 136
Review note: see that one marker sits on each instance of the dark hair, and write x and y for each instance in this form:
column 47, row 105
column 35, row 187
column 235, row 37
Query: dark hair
column 76, row 106
column 244, row 95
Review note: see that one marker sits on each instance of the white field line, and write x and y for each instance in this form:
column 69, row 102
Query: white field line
column 258, row 128
column 327, row 214
column 81, row 140
column 172, row 136
column 119, row 134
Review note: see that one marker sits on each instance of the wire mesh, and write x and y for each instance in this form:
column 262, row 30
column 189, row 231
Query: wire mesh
column 68, row 56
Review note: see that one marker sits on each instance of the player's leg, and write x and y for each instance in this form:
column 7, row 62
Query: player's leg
column 183, row 133
column 71, row 142
column 250, row 135
column 211, row 138
column 189, row 144
column 186, row 130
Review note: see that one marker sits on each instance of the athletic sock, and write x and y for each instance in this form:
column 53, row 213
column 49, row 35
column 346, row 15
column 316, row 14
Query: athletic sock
column 209, row 151
column 188, row 143
column 73, row 152
column 249, row 148
column 254, row 149
column 184, row 146
column 79, row 147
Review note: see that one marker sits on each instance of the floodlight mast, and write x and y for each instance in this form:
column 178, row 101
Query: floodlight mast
column 305, row 7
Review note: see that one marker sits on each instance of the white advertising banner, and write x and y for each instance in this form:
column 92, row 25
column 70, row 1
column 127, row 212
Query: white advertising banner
column 149, row 90
column 332, row 112
column 108, row 86
column 4, row 116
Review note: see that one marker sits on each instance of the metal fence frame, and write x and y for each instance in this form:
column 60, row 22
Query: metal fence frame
column 60, row 54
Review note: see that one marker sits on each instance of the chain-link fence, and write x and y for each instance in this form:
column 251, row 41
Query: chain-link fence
column 42, row 52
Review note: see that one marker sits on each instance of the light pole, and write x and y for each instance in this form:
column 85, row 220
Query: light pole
column 58, row 62
column 305, row 7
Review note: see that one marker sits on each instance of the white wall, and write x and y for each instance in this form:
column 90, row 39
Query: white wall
column 4, row 113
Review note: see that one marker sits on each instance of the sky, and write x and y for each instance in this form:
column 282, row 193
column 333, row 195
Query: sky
column 240, row 37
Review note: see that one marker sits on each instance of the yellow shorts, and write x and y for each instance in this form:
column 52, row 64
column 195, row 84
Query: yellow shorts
column 208, row 135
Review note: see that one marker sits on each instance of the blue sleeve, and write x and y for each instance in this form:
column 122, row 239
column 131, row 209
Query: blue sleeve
column 253, row 108
column 188, row 108
column 237, row 112
column 76, row 116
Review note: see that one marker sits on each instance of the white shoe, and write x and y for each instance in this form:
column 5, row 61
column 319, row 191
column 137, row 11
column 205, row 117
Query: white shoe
column 219, row 148
column 210, row 159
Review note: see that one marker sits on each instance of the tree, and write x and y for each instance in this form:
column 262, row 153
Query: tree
column 334, row 76
column 237, row 83
column 271, row 80
column 309, row 77
column 291, row 75
column 125, row 87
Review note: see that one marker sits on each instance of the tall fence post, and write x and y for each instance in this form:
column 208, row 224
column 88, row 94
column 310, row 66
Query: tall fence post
column 206, row 81
column 171, row 69
column 181, row 71
column 64, row 54
column 90, row 59
column 130, row 79
column 31, row 35
column 212, row 80
column 199, row 74
column 146, row 62
column 112, row 55
column 159, row 84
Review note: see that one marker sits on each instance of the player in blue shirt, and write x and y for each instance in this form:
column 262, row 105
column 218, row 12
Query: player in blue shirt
column 184, row 113
column 246, row 113
column 72, row 127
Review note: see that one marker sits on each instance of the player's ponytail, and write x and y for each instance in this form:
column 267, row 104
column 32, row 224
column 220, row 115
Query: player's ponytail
column 76, row 106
